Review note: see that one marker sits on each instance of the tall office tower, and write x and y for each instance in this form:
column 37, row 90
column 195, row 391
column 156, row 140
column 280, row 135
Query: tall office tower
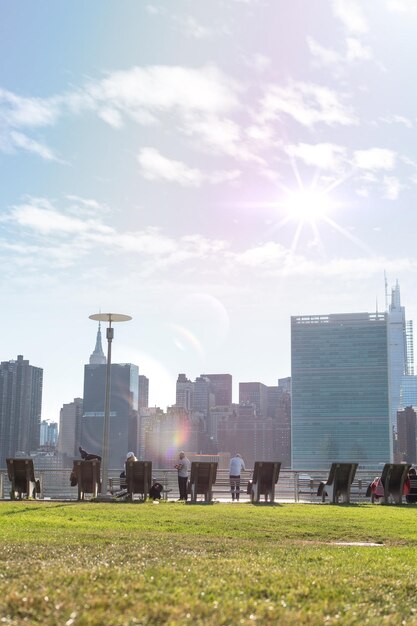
column 97, row 356
column 254, row 393
column 143, row 392
column 20, row 407
column 123, row 423
column 410, row 347
column 221, row 385
column 184, row 393
column 397, row 352
column 408, row 391
column 406, row 430
column 48, row 434
column 282, row 422
column 69, row 438
column 203, row 396
column 339, row 382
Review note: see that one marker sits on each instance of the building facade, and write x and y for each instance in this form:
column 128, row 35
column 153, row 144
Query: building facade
column 339, row 382
column 69, row 438
column 143, row 392
column 257, row 394
column 406, row 430
column 221, row 387
column 20, row 407
column 123, row 422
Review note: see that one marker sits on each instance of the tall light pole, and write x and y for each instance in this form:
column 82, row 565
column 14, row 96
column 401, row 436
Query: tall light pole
column 110, row 318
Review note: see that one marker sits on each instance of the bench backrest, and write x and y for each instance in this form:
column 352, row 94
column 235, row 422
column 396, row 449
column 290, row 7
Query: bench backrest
column 266, row 473
column 203, row 475
column 20, row 471
column 393, row 477
column 139, row 476
column 341, row 475
column 88, row 474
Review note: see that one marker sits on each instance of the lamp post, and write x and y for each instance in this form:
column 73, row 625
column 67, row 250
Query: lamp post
column 110, row 318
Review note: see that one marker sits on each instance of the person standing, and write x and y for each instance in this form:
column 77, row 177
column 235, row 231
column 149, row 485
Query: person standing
column 183, row 468
column 236, row 466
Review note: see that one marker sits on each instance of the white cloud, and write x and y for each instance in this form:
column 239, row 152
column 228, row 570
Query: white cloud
column 111, row 116
column 351, row 14
column 267, row 254
column 154, row 166
column 219, row 135
column 164, row 88
column 326, row 56
column 259, row 62
column 37, row 225
column 19, row 140
column 40, row 216
column 323, row 155
column 357, row 51
column 354, row 50
column 397, row 119
column 16, row 111
column 401, row 6
column 192, row 28
column 392, row 187
column 374, row 159
column 307, row 103
column 272, row 258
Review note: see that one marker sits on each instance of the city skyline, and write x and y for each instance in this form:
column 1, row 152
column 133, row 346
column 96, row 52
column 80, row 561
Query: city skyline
column 174, row 165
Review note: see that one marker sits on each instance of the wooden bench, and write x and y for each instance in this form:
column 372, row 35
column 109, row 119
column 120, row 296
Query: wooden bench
column 265, row 477
column 87, row 474
column 392, row 478
column 21, row 475
column 339, row 482
column 202, row 478
column 138, row 478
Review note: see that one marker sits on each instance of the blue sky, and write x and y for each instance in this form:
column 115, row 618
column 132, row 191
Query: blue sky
column 210, row 168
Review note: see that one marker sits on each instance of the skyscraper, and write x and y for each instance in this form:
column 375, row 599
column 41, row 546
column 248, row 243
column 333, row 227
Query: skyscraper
column 399, row 363
column 221, row 385
column 254, row 393
column 340, row 402
column 143, row 392
column 20, row 407
column 406, row 444
column 184, row 396
column 124, row 391
column 70, row 428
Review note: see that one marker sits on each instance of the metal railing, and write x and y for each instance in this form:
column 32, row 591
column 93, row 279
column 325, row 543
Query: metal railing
column 292, row 486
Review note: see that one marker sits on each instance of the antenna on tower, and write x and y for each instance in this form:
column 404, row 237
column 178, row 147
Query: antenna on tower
column 386, row 290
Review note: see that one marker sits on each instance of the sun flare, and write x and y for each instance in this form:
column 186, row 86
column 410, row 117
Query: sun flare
column 307, row 205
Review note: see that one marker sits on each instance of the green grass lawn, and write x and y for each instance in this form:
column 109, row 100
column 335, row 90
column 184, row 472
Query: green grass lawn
column 107, row 564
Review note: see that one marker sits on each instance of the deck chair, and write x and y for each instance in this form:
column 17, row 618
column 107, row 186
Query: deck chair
column 265, row 477
column 202, row 478
column 87, row 475
column 411, row 497
column 138, row 478
column 338, row 484
column 22, row 478
column 393, row 477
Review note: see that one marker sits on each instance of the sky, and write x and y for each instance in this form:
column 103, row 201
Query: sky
column 209, row 168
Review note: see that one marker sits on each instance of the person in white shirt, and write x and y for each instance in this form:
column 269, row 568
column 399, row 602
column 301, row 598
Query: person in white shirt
column 236, row 466
column 183, row 467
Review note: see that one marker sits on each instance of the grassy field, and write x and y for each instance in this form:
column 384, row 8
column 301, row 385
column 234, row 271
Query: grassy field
column 125, row 564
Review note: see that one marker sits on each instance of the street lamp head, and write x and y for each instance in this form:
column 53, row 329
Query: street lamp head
column 110, row 317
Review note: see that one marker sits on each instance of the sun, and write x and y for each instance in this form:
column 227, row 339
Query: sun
column 307, row 205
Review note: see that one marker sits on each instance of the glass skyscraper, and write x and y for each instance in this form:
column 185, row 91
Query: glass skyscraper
column 340, row 399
